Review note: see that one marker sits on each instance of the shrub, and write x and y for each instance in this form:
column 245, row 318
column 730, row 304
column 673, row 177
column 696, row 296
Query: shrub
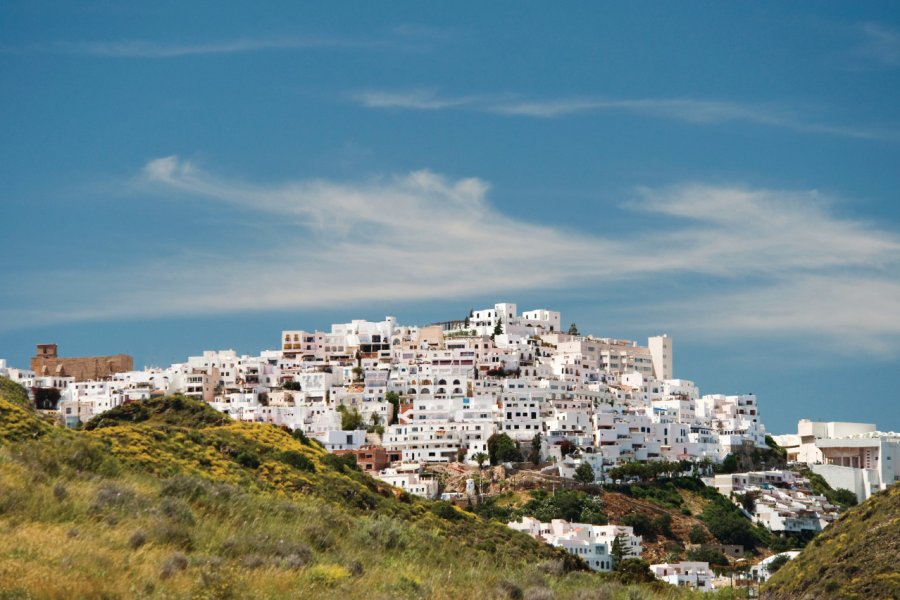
column 137, row 539
column 321, row 536
column 713, row 557
column 634, row 570
column 301, row 437
column 727, row 524
column 295, row 561
column 111, row 496
column 189, row 487
column 327, row 575
column 570, row 505
column 59, row 491
column 539, row 593
column 173, row 564
column 57, row 454
column 601, row 593
column 240, row 547
column 214, row 584
column 386, row 532
column 842, row 497
column 697, row 535
column 663, row 524
column 356, row 568
column 445, row 510
column 508, row 589
column 172, row 534
column 177, row 510
column 247, row 458
column 253, row 561
column 556, row 568
column 642, row 524
column 298, row 460
column 778, row 562
column 339, row 462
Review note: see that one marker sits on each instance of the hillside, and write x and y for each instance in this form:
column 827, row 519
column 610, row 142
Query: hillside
column 856, row 557
column 669, row 514
column 170, row 501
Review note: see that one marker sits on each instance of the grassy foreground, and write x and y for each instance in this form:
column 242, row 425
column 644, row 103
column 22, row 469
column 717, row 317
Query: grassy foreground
column 170, row 500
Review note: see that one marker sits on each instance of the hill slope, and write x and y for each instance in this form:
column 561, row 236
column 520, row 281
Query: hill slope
column 169, row 501
column 855, row 557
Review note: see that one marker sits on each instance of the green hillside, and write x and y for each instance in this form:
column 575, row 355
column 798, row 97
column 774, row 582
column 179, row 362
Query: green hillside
column 854, row 558
column 170, row 500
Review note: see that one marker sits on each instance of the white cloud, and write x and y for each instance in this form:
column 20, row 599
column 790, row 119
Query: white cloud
column 702, row 112
column 880, row 44
column 852, row 314
column 421, row 99
column 159, row 50
column 423, row 236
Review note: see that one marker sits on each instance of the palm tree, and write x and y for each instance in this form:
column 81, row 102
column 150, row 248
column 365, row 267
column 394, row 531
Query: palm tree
column 480, row 458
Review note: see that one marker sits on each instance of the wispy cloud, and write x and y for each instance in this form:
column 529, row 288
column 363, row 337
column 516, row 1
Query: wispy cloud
column 160, row 50
column 841, row 312
column 880, row 45
column 423, row 236
column 704, row 112
column 420, row 99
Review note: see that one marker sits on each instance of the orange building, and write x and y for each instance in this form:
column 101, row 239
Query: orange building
column 82, row 368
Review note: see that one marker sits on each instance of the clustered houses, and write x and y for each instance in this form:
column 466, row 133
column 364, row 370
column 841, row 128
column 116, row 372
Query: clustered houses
column 852, row 456
column 781, row 500
column 593, row 543
column 437, row 393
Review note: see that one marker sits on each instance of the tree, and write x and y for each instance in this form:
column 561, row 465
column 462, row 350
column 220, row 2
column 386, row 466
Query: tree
column 375, row 426
column 501, row 448
column 726, row 522
column 710, row 555
column 566, row 447
column 748, row 501
column 535, row 455
column 634, row 570
column 584, row 473
column 778, row 562
column 394, row 399
column 294, row 386
column 573, row 329
column 498, row 330
column 729, row 464
column 642, row 525
column 697, row 535
column 351, row 420
column 619, row 550
column 480, row 458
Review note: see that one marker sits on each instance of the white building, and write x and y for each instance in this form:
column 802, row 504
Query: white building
column 592, row 543
column 851, row 456
column 412, row 482
column 685, row 574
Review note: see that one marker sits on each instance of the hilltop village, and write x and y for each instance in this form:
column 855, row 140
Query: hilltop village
column 495, row 387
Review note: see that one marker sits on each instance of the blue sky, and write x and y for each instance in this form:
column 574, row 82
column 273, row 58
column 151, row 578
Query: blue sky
column 186, row 176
